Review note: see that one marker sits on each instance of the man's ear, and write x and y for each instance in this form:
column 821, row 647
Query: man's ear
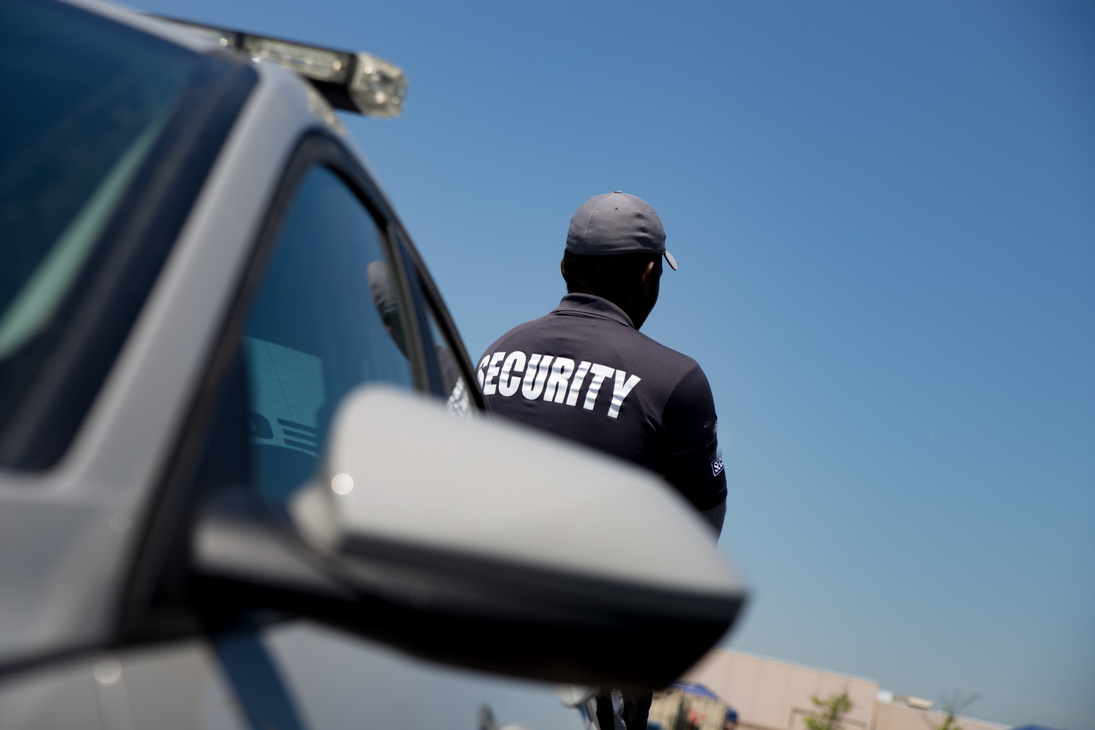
column 563, row 267
column 650, row 275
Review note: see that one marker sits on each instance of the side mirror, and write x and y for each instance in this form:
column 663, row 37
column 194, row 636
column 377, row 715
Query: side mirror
column 485, row 545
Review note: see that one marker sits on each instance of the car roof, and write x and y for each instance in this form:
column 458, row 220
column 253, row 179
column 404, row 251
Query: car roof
column 159, row 27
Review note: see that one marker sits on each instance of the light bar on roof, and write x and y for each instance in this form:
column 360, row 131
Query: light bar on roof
column 356, row 82
column 314, row 63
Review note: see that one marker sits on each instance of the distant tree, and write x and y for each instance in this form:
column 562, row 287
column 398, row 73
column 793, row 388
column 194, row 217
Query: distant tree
column 952, row 705
column 830, row 711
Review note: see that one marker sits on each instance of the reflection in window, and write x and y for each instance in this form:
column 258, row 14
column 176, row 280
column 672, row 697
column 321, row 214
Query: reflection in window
column 327, row 318
column 286, row 396
column 457, row 399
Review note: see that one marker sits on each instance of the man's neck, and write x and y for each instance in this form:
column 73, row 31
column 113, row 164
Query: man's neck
column 630, row 304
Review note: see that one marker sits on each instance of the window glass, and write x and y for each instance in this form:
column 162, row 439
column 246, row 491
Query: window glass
column 442, row 358
column 86, row 100
column 453, row 387
column 326, row 319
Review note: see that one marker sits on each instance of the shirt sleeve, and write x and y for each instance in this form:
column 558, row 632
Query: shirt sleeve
column 692, row 461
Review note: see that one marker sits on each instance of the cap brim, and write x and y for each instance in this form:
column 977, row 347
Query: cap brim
column 670, row 260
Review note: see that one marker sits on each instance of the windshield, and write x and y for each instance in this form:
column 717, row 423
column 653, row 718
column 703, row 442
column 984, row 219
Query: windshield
column 84, row 104
column 86, row 101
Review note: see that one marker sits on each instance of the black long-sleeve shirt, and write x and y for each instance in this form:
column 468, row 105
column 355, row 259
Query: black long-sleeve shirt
column 585, row 373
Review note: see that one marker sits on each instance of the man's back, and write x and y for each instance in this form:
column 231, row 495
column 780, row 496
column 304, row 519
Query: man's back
column 584, row 373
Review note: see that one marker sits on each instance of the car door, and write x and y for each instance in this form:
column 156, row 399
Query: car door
column 336, row 677
column 344, row 285
column 335, row 298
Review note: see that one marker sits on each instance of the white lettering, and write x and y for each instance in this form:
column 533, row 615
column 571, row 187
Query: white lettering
column 507, row 385
column 538, row 375
column 533, row 383
column 556, row 388
column 620, row 389
column 576, row 384
column 600, row 372
column 482, row 375
column 492, row 373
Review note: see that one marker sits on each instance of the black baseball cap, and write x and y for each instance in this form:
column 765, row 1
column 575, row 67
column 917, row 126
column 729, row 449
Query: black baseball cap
column 615, row 223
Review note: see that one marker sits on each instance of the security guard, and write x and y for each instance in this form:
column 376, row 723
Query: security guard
column 584, row 371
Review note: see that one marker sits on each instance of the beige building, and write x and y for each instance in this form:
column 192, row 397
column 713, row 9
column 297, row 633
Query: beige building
column 769, row 694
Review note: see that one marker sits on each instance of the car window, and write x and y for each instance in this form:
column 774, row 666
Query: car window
column 454, row 387
column 327, row 317
column 98, row 120
column 82, row 89
column 443, row 351
column 442, row 358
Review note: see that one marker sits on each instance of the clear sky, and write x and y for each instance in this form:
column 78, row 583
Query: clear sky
column 884, row 215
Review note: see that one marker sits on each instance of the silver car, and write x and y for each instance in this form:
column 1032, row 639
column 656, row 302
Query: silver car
column 245, row 476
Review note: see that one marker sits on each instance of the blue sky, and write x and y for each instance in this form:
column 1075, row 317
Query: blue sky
column 884, row 214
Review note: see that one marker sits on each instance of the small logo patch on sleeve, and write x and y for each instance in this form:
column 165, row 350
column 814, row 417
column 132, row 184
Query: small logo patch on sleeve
column 716, row 467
